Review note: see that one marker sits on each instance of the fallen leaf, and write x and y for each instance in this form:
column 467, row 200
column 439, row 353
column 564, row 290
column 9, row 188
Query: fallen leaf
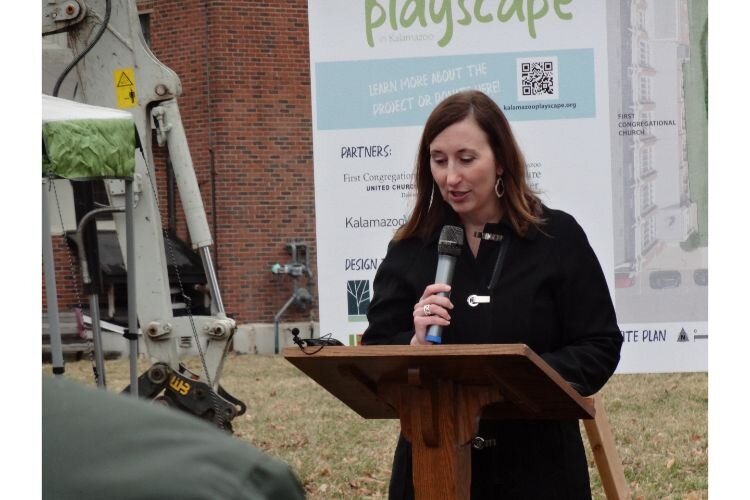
column 670, row 463
column 695, row 438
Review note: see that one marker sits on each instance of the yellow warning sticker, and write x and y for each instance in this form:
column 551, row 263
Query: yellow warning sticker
column 124, row 79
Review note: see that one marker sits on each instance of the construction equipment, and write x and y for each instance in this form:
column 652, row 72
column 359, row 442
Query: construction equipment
column 113, row 67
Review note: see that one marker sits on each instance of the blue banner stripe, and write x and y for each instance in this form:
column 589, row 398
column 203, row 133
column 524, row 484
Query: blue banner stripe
column 402, row 92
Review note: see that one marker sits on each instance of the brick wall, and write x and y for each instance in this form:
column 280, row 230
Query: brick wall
column 244, row 67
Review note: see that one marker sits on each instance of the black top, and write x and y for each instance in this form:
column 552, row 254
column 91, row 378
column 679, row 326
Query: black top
column 550, row 294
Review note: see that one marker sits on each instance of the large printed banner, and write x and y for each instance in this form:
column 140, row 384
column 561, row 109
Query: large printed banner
column 602, row 97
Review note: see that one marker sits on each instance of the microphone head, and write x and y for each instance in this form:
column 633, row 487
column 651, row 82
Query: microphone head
column 451, row 241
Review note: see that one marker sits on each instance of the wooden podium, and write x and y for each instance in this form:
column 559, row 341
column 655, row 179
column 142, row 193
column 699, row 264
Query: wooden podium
column 439, row 393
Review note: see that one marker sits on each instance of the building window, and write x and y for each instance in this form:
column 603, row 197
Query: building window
column 648, row 232
column 639, row 18
column 644, row 53
column 647, row 196
column 682, row 83
column 646, row 158
column 644, row 89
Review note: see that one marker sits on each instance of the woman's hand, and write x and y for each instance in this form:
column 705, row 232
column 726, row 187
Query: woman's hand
column 432, row 309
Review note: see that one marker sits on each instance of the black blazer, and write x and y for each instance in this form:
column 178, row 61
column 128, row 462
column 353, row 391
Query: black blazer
column 551, row 294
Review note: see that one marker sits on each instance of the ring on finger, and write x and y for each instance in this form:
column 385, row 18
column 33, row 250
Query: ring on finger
column 426, row 309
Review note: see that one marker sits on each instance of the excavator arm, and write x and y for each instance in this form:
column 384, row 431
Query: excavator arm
column 114, row 67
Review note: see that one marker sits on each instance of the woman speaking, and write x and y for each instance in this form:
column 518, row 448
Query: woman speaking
column 525, row 274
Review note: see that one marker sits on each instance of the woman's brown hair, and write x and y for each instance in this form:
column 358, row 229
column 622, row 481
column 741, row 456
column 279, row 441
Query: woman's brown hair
column 519, row 202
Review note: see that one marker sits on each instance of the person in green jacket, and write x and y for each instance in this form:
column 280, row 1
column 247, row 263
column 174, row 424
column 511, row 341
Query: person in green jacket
column 101, row 445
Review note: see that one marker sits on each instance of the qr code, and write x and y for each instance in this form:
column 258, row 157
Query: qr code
column 537, row 78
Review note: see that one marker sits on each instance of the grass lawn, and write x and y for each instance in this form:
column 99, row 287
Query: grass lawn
column 659, row 422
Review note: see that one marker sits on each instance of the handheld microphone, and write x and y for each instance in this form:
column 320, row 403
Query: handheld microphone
column 449, row 247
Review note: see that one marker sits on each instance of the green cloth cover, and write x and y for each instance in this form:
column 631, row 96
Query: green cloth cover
column 86, row 142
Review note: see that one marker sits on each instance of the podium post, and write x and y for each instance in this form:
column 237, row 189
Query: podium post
column 439, row 418
column 439, row 394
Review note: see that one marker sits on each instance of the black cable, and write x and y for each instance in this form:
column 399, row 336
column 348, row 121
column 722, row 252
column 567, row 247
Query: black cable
column 321, row 342
column 80, row 56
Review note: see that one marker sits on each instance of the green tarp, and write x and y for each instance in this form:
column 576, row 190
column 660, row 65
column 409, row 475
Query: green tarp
column 80, row 141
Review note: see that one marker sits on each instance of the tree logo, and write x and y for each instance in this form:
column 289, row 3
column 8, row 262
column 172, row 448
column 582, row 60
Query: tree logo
column 358, row 299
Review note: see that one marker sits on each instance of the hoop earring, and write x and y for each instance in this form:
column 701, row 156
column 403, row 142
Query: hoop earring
column 500, row 183
column 432, row 195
